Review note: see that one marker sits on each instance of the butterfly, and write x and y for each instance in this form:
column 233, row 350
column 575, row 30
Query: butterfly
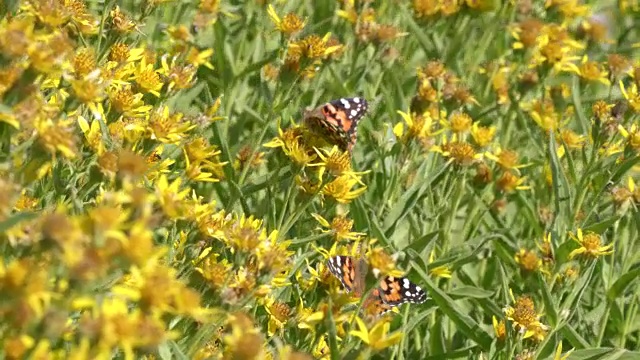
column 390, row 292
column 338, row 120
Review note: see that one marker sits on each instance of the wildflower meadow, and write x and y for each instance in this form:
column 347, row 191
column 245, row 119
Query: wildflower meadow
column 307, row 179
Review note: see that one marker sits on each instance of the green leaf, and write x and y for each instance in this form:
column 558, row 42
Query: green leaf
column 619, row 286
column 549, row 306
column 602, row 226
column 16, row 219
column 604, row 354
column 470, row 292
column 467, row 325
column 420, row 244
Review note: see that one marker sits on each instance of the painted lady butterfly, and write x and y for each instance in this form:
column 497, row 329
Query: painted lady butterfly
column 390, row 292
column 338, row 120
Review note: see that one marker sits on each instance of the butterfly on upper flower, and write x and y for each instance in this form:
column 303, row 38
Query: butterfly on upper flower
column 337, row 121
column 390, row 292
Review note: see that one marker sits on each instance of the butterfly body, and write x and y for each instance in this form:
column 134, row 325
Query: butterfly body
column 338, row 120
column 390, row 292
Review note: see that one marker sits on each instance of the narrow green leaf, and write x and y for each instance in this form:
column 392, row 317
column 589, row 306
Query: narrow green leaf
column 467, row 325
column 549, row 305
column 470, row 292
column 15, row 219
column 619, row 286
column 602, row 226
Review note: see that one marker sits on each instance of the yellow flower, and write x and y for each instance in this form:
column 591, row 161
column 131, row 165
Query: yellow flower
column 378, row 336
column 459, row 122
column 121, row 22
column 170, row 197
column 482, row 135
column 632, row 136
column 93, row 134
column 341, row 189
column 308, row 318
column 214, row 271
column 419, row 127
column 148, row 78
column 570, row 139
column 289, row 25
column 381, row 262
column 528, row 260
column 126, row 102
column 590, row 245
column 168, row 128
column 340, row 227
column 321, row 351
column 510, row 182
column 507, row 159
column 335, row 161
column 558, row 353
column 199, row 58
column 460, row 153
column 291, row 144
column 632, row 95
column 592, row 71
column 57, row 136
column 442, row 271
column 525, row 319
column 500, row 328
column 279, row 314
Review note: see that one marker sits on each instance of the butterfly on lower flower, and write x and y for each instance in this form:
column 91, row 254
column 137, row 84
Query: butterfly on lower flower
column 390, row 292
column 337, row 120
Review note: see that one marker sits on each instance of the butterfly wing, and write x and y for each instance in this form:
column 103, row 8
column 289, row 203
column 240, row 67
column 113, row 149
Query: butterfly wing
column 350, row 272
column 338, row 120
column 397, row 291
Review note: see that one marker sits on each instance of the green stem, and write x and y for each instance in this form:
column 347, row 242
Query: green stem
column 603, row 324
column 287, row 198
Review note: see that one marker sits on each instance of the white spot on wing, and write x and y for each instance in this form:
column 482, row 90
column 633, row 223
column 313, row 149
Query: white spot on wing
column 345, row 103
column 356, row 100
column 418, row 288
column 408, row 293
column 406, row 283
column 354, row 113
column 338, row 261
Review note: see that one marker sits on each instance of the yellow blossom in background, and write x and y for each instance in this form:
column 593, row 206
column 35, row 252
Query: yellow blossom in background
column 171, row 196
column 592, row 71
column 460, row 153
column 509, row 182
column 590, row 245
column 482, row 136
column 459, row 122
column 500, row 328
column 279, row 314
column 632, row 136
column 289, row 25
column 442, row 271
column 528, row 260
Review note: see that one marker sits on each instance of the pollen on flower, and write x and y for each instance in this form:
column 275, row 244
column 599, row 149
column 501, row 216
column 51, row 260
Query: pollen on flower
column 119, row 52
column 528, row 260
column 84, row 61
column 524, row 313
column 509, row 182
column 460, row 122
column 590, row 245
column 462, row 153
